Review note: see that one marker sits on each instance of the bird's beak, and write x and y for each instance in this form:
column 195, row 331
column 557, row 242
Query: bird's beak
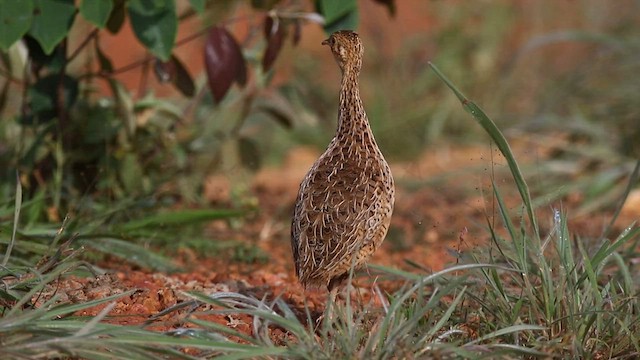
column 325, row 42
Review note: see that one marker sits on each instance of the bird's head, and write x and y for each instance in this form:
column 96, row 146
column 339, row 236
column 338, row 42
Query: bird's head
column 347, row 49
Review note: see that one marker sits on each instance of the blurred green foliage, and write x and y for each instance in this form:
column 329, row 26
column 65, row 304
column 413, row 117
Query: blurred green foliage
column 541, row 67
column 78, row 150
column 117, row 163
column 70, row 142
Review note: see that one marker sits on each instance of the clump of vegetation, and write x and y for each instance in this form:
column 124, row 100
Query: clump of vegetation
column 87, row 176
column 69, row 141
column 530, row 294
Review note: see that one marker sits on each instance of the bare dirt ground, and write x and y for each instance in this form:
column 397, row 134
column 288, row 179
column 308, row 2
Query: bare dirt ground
column 442, row 207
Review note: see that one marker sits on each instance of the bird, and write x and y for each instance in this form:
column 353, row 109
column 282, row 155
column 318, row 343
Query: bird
column 345, row 202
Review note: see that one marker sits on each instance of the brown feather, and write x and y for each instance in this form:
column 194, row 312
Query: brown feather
column 345, row 202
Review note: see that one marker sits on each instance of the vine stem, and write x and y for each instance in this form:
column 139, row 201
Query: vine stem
column 179, row 43
column 82, row 45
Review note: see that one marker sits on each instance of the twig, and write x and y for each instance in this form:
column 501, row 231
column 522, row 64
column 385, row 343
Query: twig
column 82, row 45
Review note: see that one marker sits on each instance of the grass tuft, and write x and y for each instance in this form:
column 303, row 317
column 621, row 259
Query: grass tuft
column 531, row 293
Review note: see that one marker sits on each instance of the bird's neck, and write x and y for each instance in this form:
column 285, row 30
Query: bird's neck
column 352, row 118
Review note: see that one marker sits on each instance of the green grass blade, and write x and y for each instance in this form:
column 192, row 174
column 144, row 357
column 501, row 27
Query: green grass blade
column 72, row 308
column 16, row 219
column 179, row 218
column 447, row 314
column 494, row 132
column 131, row 252
column 506, row 331
column 515, row 349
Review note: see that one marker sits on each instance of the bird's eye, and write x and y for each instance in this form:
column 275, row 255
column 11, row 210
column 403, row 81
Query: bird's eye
column 332, row 41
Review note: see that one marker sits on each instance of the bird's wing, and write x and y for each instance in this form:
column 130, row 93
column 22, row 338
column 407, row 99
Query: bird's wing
column 336, row 215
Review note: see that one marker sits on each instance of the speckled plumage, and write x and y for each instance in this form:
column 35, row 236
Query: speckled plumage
column 345, row 202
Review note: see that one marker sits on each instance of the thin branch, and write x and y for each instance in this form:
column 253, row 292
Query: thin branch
column 179, row 43
column 82, row 45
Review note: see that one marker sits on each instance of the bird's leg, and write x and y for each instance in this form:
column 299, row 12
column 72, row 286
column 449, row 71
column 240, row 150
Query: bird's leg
column 333, row 287
column 333, row 296
column 329, row 308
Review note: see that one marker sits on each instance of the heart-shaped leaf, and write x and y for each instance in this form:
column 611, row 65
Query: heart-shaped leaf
column 155, row 24
column 52, row 20
column 338, row 15
column 274, row 32
column 334, row 10
column 96, row 11
column 175, row 72
column 224, row 62
column 15, row 21
column 53, row 62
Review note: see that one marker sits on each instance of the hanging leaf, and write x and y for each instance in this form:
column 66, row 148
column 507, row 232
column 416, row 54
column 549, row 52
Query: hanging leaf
column 105, row 63
column 274, row 32
column 155, row 24
column 268, row 26
column 334, row 10
column 223, row 61
column 389, row 4
column 15, row 21
column 249, row 153
column 182, row 79
column 338, row 15
column 277, row 107
column 198, row 5
column 39, row 60
column 164, row 70
column 174, row 71
column 297, row 32
column 52, row 20
column 241, row 65
column 116, row 20
column 96, row 11
column 348, row 22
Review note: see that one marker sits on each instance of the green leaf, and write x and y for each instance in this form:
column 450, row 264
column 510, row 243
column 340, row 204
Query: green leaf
column 175, row 72
column 129, row 251
column 198, row 5
column 182, row 217
column 494, row 132
column 96, row 12
column 338, row 15
column 116, row 19
column 53, row 62
column 249, row 153
column 15, row 20
column 131, row 173
column 347, row 22
column 334, row 10
column 52, row 20
column 16, row 220
column 155, row 24
column 45, row 92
